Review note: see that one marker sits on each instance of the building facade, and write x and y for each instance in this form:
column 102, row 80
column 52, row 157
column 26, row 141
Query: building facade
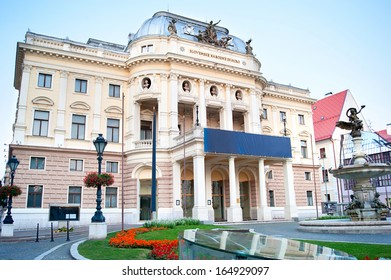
column 230, row 146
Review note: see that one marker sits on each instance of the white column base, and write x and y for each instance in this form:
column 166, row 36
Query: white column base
column 97, row 231
column 7, row 230
column 291, row 212
column 234, row 214
column 264, row 213
column 200, row 213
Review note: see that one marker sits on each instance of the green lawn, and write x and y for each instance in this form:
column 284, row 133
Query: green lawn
column 100, row 249
column 359, row 250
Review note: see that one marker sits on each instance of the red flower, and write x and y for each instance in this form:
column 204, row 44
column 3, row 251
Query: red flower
column 161, row 249
column 7, row 191
column 93, row 179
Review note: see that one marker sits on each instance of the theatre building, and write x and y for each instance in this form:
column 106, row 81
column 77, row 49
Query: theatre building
column 230, row 145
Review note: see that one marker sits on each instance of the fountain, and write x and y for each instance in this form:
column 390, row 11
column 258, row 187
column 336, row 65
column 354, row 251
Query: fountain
column 365, row 204
column 367, row 213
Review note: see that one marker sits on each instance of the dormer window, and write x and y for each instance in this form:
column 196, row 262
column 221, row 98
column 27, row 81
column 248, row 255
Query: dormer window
column 146, row 48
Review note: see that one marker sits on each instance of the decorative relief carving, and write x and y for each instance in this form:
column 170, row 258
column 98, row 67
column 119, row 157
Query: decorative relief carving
column 80, row 105
column 43, row 100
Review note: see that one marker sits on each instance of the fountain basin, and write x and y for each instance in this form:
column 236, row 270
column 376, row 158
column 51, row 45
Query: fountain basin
column 362, row 171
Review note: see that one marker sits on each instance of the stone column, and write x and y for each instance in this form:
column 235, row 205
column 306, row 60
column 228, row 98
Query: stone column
column 200, row 210
column 290, row 198
column 163, row 119
column 263, row 211
column 173, row 106
column 254, row 113
column 202, row 106
column 228, row 125
column 59, row 132
column 20, row 125
column 234, row 211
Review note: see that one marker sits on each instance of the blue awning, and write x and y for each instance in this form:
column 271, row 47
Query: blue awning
column 241, row 143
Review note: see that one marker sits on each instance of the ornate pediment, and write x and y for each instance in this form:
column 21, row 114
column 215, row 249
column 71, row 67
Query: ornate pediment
column 80, row 105
column 43, row 100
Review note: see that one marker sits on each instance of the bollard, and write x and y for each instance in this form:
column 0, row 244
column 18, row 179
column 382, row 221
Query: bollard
column 51, row 231
column 37, row 239
column 68, row 231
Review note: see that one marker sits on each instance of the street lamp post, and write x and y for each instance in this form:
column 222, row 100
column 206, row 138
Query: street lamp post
column 100, row 144
column 12, row 164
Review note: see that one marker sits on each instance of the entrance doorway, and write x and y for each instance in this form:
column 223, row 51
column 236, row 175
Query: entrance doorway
column 145, row 199
column 245, row 199
column 218, row 200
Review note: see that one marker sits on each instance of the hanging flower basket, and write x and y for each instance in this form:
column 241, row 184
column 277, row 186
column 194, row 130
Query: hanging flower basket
column 93, row 179
column 7, row 191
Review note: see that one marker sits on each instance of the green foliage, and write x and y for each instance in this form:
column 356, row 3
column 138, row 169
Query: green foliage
column 171, row 223
column 361, row 251
column 332, row 217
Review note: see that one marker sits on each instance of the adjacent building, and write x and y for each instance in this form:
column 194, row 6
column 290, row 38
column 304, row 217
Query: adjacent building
column 231, row 146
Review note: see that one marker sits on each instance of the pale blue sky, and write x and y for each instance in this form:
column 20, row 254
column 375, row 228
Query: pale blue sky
column 320, row 45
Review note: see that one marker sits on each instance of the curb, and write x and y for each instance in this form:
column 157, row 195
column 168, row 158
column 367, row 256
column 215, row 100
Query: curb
column 74, row 251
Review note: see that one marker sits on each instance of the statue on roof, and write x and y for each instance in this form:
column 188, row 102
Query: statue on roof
column 249, row 49
column 354, row 124
column 209, row 36
column 171, row 27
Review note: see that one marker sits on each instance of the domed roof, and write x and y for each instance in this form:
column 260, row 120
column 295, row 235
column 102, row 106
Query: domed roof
column 185, row 28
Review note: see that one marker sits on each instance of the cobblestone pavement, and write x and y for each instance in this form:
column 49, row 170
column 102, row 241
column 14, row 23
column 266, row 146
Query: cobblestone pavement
column 24, row 246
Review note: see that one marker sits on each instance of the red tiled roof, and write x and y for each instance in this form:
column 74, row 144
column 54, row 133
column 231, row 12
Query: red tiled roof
column 326, row 112
column 384, row 135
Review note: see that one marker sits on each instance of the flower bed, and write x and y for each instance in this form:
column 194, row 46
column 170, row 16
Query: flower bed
column 161, row 249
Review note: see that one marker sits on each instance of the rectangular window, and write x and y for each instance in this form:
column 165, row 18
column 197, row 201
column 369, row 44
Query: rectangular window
column 45, row 80
column 74, row 195
column 112, row 166
column 34, row 196
column 78, row 126
column 270, row 174
column 322, row 152
column 76, row 165
column 111, row 197
column 271, row 197
column 303, row 145
column 307, row 176
column 37, row 163
column 113, row 130
column 114, row 90
column 80, row 85
column 41, row 123
column 146, row 130
column 301, row 119
column 146, row 48
column 325, row 174
column 310, row 200
column 282, row 116
column 264, row 114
